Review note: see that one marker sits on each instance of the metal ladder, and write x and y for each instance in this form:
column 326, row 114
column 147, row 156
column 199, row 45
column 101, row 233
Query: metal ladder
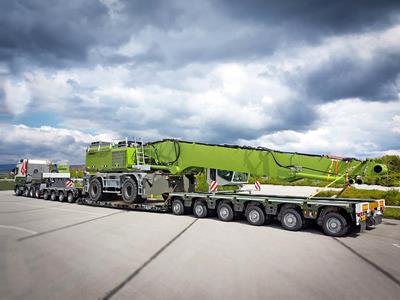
column 140, row 157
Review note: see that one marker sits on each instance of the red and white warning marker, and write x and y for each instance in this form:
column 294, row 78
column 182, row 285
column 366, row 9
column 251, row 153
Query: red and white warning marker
column 69, row 183
column 257, row 185
column 213, row 186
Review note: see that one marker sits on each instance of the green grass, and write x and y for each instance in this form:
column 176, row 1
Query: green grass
column 392, row 213
column 392, row 197
column 6, row 185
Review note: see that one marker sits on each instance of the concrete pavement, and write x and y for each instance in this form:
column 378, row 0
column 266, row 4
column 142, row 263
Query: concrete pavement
column 53, row 250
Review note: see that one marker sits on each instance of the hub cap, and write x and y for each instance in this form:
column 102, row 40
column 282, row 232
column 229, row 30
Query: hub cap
column 290, row 220
column 254, row 216
column 334, row 225
column 177, row 208
column 224, row 212
column 199, row 210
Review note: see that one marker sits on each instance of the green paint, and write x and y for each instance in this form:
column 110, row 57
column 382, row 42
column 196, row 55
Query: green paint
column 179, row 157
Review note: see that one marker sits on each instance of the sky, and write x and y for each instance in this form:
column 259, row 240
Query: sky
column 309, row 76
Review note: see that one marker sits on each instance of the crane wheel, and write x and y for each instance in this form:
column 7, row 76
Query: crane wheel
column 291, row 219
column 334, row 224
column 255, row 215
column 95, row 190
column 200, row 209
column 129, row 191
column 225, row 212
column 53, row 196
column 177, row 207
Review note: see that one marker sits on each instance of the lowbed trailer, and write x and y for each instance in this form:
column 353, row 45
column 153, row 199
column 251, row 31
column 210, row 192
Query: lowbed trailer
column 336, row 216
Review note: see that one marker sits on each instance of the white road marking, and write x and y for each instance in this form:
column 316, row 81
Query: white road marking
column 396, row 245
column 56, row 206
column 18, row 228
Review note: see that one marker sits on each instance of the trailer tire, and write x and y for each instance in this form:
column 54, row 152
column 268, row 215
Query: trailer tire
column 129, row 191
column 70, row 197
column 95, row 190
column 200, row 209
column 334, row 224
column 53, row 196
column 46, row 195
column 37, row 193
column 61, row 196
column 291, row 219
column 255, row 215
column 26, row 192
column 177, row 207
column 225, row 212
column 17, row 191
column 31, row 192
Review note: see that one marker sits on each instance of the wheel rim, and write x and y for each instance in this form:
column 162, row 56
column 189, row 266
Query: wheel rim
column 94, row 190
column 334, row 225
column 128, row 191
column 37, row 194
column 224, row 212
column 177, row 208
column 70, row 197
column 199, row 210
column 290, row 220
column 254, row 216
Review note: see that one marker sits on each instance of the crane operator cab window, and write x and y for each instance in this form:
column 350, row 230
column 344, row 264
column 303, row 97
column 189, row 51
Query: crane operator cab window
column 225, row 177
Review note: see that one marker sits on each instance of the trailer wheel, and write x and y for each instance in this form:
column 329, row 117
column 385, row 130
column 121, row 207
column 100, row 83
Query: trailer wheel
column 46, row 195
column 291, row 219
column 95, row 190
column 129, row 191
column 17, row 191
column 200, row 209
column 26, row 192
column 70, row 197
column 53, row 196
column 225, row 212
column 61, row 197
column 37, row 193
column 31, row 192
column 334, row 224
column 255, row 215
column 177, row 207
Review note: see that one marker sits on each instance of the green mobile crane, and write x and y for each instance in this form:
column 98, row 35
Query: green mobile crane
column 137, row 170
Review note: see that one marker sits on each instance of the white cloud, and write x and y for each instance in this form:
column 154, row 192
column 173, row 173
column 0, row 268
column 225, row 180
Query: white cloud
column 17, row 96
column 347, row 127
column 45, row 142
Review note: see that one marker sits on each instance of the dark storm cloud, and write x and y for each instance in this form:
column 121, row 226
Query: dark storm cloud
column 352, row 77
column 313, row 18
column 49, row 32
column 61, row 33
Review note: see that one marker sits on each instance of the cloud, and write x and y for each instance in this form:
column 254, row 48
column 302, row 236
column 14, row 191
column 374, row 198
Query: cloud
column 348, row 127
column 220, row 72
column 16, row 96
column 45, row 142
